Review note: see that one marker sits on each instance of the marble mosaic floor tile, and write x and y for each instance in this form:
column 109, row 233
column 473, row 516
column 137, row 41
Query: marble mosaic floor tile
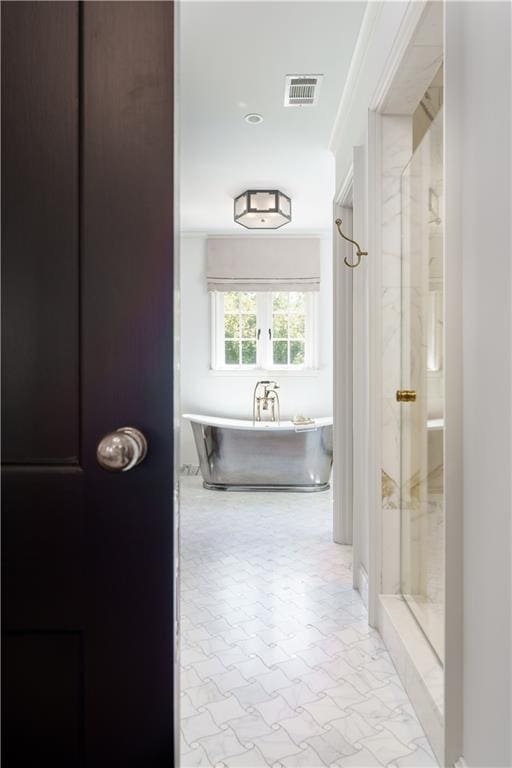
column 277, row 745
column 279, row 668
column 225, row 710
column 221, row 746
column 331, row 747
column 298, row 694
column 324, row 711
column 274, row 710
column 251, row 694
column 252, row 758
column 250, row 727
column 417, row 759
column 189, row 679
column 385, row 747
column 360, row 759
column 318, row 680
column 373, row 711
column 353, row 728
column 229, row 680
column 405, row 728
column 252, row 667
column 304, row 759
column 302, row 727
column 345, row 695
column 209, row 667
column 273, row 681
column 195, row 758
column 200, row 695
column 197, row 726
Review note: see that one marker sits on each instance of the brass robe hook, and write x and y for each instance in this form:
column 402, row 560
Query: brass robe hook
column 359, row 252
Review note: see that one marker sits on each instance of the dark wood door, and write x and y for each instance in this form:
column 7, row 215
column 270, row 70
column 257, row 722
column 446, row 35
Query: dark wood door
column 87, row 240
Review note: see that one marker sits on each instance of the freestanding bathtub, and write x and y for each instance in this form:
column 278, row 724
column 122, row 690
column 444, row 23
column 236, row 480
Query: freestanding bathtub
column 237, row 455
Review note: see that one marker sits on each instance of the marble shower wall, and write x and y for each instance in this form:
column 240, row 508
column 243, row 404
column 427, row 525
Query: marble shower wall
column 396, row 151
column 416, row 73
column 422, row 439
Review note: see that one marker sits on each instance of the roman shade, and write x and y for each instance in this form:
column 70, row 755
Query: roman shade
column 263, row 264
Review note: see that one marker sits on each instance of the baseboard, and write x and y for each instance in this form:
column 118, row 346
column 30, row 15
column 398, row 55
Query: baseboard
column 362, row 584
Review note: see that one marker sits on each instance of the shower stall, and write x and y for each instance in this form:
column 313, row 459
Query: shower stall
column 422, row 381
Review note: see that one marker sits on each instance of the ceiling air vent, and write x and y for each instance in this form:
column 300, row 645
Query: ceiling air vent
column 301, row 90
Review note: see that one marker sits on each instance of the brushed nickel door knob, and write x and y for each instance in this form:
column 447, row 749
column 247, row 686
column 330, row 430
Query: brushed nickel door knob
column 121, row 449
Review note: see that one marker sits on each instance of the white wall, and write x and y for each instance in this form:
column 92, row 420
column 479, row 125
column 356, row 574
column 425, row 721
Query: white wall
column 219, row 394
column 478, row 82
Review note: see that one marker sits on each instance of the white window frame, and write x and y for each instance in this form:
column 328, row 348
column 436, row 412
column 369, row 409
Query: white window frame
column 264, row 344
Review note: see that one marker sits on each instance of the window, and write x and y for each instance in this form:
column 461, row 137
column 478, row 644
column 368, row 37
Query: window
column 240, row 338
column 273, row 330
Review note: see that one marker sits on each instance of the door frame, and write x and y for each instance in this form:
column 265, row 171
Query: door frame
column 357, row 487
column 375, row 528
column 343, row 498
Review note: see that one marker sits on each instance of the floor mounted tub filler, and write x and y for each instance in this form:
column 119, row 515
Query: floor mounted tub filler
column 238, row 455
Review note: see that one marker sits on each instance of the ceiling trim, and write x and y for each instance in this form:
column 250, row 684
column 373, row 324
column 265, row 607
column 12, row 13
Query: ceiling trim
column 365, row 42
column 363, row 45
column 344, row 193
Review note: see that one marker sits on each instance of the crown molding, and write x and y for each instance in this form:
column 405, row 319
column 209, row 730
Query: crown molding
column 344, row 193
column 363, row 45
column 366, row 42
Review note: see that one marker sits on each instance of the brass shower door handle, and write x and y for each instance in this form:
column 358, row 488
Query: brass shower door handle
column 406, row 395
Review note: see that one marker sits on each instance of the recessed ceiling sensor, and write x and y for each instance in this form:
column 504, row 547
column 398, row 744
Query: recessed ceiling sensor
column 253, row 118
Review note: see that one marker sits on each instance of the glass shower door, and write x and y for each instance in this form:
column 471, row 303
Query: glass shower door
column 422, row 394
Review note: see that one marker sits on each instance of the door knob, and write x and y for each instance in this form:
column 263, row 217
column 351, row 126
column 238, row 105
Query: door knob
column 406, row 395
column 122, row 449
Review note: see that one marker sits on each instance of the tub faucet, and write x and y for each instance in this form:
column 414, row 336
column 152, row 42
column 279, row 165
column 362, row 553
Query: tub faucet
column 265, row 398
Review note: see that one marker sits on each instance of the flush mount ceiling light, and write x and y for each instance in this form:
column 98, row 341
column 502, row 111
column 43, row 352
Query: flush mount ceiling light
column 263, row 209
column 253, row 118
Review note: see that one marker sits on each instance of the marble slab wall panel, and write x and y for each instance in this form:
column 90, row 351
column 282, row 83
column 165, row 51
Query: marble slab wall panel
column 421, row 62
column 396, row 150
column 414, row 345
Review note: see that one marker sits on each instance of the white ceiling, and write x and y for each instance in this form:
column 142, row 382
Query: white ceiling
column 233, row 60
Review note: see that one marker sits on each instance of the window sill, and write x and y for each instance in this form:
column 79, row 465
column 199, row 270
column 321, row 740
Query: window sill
column 260, row 373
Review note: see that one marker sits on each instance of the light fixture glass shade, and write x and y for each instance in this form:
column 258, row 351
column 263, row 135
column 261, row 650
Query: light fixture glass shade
column 263, row 209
